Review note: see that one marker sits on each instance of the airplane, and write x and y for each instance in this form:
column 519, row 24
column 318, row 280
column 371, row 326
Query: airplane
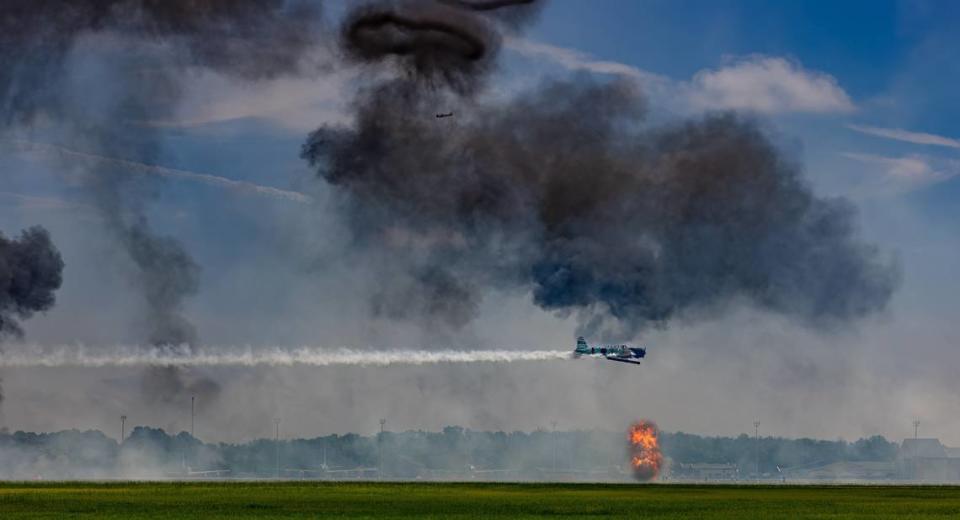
column 475, row 472
column 330, row 472
column 441, row 116
column 601, row 472
column 207, row 474
column 621, row 353
column 469, row 472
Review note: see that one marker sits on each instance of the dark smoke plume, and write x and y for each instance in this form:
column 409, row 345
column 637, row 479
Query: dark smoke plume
column 439, row 43
column 565, row 192
column 30, row 271
column 488, row 5
column 514, row 13
column 168, row 275
column 166, row 385
column 249, row 39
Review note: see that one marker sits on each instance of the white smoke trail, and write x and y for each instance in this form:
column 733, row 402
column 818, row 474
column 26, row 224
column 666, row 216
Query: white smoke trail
column 151, row 169
column 128, row 356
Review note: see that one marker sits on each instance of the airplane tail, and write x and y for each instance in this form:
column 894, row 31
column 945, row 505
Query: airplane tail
column 582, row 347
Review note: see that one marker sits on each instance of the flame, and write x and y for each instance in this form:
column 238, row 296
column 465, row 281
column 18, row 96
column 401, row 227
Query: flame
column 645, row 456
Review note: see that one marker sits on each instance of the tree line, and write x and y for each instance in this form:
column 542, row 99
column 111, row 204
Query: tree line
column 452, row 452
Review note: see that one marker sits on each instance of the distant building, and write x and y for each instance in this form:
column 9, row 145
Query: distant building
column 929, row 460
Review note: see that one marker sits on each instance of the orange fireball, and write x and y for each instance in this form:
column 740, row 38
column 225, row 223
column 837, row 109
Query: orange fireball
column 645, row 456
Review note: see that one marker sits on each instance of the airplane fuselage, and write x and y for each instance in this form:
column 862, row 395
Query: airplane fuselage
column 621, row 353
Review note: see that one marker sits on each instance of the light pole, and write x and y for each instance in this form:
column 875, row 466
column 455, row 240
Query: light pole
column 123, row 427
column 756, row 442
column 192, row 399
column 276, row 443
column 916, row 445
column 466, row 451
column 554, row 424
column 383, row 422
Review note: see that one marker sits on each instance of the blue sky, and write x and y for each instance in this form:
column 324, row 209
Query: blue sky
column 894, row 61
column 862, row 92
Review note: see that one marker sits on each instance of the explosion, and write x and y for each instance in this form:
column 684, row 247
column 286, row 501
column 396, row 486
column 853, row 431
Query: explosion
column 645, row 456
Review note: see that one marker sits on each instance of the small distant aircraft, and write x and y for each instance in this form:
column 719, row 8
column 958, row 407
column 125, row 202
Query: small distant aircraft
column 331, row 472
column 621, row 353
column 441, row 116
column 476, row 472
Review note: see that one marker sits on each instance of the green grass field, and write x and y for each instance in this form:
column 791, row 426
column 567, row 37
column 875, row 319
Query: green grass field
column 388, row 500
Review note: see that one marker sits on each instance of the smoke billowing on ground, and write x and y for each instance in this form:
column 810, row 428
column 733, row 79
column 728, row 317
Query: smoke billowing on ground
column 564, row 198
column 451, row 453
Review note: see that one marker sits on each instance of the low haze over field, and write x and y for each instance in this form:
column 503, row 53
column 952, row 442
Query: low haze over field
column 764, row 196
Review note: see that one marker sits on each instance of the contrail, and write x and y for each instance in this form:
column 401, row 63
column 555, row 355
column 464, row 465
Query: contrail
column 128, row 356
column 150, row 169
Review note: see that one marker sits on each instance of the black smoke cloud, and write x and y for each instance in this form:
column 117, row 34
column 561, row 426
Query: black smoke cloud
column 567, row 193
column 31, row 270
column 514, row 13
column 437, row 43
column 250, row 39
column 169, row 276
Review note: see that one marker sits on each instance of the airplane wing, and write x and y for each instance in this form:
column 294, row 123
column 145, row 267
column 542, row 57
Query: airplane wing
column 214, row 472
column 352, row 470
column 623, row 360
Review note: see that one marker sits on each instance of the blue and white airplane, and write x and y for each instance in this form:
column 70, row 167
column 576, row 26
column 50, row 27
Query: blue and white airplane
column 621, row 353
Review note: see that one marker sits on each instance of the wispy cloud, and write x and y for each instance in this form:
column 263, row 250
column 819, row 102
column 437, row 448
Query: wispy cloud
column 911, row 171
column 572, row 59
column 35, row 202
column 759, row 83
column 150, row 169
column 769, row 84
column 899, row 134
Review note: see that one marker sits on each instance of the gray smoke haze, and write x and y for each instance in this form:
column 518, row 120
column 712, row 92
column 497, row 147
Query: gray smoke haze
column 170, row 385
column 31, row 270
column 251, row 39
column 130, row 57
column 565, row 192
